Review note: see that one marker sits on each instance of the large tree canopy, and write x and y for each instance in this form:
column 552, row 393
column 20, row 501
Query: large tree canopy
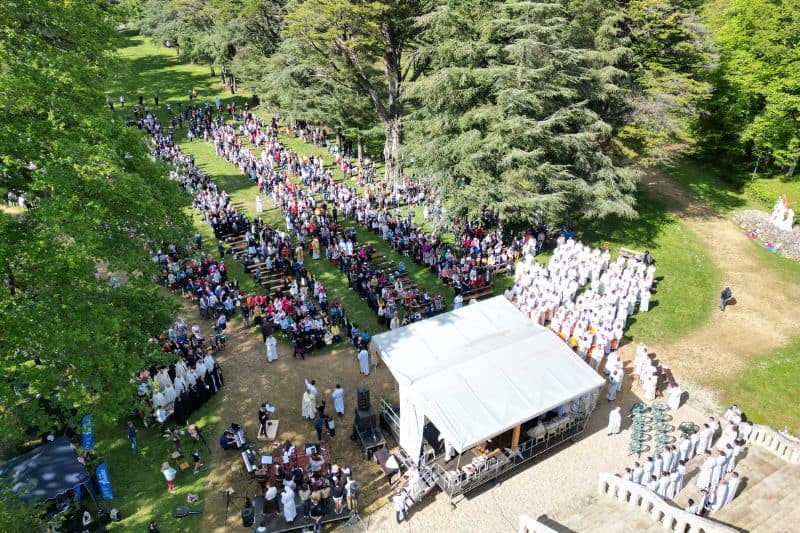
column 754, row 113
column 71, row 342
column 368, row 48
column 504, row 120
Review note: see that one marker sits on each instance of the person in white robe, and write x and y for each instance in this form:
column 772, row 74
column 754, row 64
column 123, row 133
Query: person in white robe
column 650, row 384
column 644, row 301
column 684, row 448
column 180, row 384
column 658, row 465
column 449, row 450
column 311, row 387
column 672, row 488
column 458, row 301
column 636, row 475
column 704, row 439
column 695, row 440
column 728, row 436
column 614, row 421
column 733, row 486
column 681, row 476
column 181, row 369
column 288, row 504
column 259, row 204
column 647, row 470
column 719, row 468
column 308, row 406
column 720, row 496
column 363, row 362
column 733, row 456
column 663, row 484
column 674, row 397
column 614, row 384
column 272, row 349
column 652, row 484
column 338, row 400
column 706, row 469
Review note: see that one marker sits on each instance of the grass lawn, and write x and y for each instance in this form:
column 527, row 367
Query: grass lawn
column 140, row 491
column 730, row 195
column 767, row 390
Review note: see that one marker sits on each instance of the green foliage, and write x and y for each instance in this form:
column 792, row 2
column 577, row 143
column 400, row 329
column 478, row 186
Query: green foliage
column 13, row 511
column 367, row 48
column 754, row 114
column 504, row 120
column 70, row 342
column 310, row 90
column 767, row 390
column 663, row 46
column 214, row 31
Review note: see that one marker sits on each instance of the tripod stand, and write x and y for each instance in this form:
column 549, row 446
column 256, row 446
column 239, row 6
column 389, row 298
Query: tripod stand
column 355, row 520
column 229, row 500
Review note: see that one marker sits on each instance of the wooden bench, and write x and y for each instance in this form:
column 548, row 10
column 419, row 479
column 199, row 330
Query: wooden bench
column 478, row 293
column 627, row 253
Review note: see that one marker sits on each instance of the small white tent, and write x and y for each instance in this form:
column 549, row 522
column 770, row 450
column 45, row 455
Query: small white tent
column 479, row 371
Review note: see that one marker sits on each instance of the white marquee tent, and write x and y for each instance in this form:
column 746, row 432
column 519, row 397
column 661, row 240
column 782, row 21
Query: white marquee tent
column 479, row 371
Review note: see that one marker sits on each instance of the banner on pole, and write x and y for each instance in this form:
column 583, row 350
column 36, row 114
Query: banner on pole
column 104, row 481
column 87, row 431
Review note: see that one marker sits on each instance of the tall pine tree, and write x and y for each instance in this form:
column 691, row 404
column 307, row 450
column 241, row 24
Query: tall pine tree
column 504, row 120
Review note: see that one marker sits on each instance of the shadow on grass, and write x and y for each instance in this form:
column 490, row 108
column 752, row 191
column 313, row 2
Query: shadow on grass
column 654, row 219
column 709, row 185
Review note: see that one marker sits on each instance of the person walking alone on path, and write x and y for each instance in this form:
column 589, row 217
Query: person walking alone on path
column 726, row 295
column 614, row 421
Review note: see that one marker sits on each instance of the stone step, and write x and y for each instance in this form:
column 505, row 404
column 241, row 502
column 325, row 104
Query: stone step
column 767, row 503
column 607, row 515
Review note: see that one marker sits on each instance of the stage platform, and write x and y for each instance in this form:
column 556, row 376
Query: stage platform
column 276, row 523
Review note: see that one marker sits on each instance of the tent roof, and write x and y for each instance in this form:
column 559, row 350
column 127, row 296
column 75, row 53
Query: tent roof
column 45, row 472
column 478, row 371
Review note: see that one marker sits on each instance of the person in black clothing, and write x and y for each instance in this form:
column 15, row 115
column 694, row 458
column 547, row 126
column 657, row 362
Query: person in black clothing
column 263, row 417
column 156, row 100
column 319, row 424
column 316, row 516
column 141, row 100
column 153, row 524
column 726, row 295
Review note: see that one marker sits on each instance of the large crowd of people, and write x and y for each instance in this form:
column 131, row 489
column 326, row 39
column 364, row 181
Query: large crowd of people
column 584, row 297
column 297, row 306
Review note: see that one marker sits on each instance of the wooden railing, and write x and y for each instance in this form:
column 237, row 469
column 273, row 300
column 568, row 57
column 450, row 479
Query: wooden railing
column 773, row 441
column 531, row 525
column 671, row 518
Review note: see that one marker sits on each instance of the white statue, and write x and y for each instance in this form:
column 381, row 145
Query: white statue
column 782, row 215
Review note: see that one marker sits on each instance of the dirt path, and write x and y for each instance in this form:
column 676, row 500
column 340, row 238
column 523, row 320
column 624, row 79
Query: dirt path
column 250, row 381
column 767, row 310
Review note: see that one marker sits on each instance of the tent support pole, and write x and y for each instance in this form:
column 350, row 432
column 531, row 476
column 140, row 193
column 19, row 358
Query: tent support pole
column 515, row 436
column 458, row 476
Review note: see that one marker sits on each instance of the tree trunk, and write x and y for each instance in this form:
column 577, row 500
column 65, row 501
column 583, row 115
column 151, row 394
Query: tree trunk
column 391, row 150
column 360, row 143
column 339, row 141
column 213, row 72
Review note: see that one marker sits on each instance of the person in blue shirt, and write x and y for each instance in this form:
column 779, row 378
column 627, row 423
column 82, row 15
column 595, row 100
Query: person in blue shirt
column 226, row 440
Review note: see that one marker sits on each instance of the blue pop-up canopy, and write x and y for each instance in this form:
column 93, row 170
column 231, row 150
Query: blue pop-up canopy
column 46, row 472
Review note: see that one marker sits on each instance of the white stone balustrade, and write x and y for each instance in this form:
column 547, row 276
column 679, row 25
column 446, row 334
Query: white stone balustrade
column 672, row 518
